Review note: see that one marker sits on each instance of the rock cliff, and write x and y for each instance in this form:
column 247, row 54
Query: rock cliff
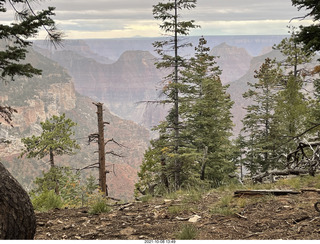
column 125, row 86
column 233, row 61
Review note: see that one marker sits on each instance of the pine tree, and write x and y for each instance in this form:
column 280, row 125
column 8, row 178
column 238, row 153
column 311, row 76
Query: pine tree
column 292, row 111
column 206, row 117
column 55, row 139
column 205, row 122
column 280, row 111
column 257, row 122
column 172, row 24
column 309, row 35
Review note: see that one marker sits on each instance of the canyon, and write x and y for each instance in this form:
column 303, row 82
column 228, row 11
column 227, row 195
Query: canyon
column 121, row 74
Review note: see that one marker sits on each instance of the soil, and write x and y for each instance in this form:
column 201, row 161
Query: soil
column 288, row 217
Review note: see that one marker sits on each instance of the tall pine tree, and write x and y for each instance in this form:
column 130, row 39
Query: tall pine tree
column 170, row 58
column 292, row 112
column 206, row 118
column 257, row 122
column 205, row 128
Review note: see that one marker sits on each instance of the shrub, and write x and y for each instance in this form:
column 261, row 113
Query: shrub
column 188, row 232
column 46, row 200
column 99, row 205
column 146, row 198
column 224, row 206
column 71, row 191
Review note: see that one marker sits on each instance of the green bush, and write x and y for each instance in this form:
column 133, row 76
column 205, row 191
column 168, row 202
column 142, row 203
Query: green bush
column 46, row 200
column 68, row 184
column 146, row 198
column 188, row 232
column 224, row 206
column 99, row 206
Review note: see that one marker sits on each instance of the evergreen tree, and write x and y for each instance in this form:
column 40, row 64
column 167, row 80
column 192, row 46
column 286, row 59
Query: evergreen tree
column 295, row 55
column 309, row 35
column 292, row 112
column 17, row 34
column 205, row 122
column 172, row 24
column 206, row 117
column 54, row 140
column 280, row 110
column 257, row 122
column 239, row 151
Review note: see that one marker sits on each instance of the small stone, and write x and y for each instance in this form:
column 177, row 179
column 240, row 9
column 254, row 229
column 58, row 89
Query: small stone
column 78, row 237
column 49, row 223
column 156, row 215
column 68, row 227
column 59, row 221
column 194, row 219
column 41, row 223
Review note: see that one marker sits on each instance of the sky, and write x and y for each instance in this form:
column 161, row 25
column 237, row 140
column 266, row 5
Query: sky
column 81, row 19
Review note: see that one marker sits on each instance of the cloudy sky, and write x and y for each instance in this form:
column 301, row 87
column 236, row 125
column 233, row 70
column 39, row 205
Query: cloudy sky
column 133, row 18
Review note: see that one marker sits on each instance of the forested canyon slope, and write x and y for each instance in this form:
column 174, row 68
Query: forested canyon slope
column 122, row 75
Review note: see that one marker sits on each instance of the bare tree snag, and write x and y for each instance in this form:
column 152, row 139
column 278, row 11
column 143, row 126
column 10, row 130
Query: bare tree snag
column 17, row 219
column 99, row 138
column 102, row 155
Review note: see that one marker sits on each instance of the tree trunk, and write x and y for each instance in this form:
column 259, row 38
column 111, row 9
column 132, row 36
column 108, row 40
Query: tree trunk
column 17, row 219
column 51, row 158
column 164, row 179
column 204, row 163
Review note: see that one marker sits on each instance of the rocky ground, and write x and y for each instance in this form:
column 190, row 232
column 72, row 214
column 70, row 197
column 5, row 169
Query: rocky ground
column 289, row 217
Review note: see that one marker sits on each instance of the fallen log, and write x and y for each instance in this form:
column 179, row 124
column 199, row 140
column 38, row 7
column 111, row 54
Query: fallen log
column 240, row 193
column 311, row 189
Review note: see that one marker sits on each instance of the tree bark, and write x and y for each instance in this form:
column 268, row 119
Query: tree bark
column 17, row 218
column 51, row 158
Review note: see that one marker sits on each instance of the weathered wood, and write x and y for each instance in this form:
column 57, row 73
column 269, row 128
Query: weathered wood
column 264, row 192
column 17, row 218
column 102, row 155
column 259, row 177
column 310, row 189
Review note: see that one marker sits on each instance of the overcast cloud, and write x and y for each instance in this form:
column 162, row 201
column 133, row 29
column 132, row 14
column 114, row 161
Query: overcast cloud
column 130, row 18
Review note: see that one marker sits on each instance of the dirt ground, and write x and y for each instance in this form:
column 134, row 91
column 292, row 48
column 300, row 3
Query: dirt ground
column 289, row 217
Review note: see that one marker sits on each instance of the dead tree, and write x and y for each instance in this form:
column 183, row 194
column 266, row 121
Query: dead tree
column 305, row 159
column 306, row 156
column 99, row 138
column 17, row 218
